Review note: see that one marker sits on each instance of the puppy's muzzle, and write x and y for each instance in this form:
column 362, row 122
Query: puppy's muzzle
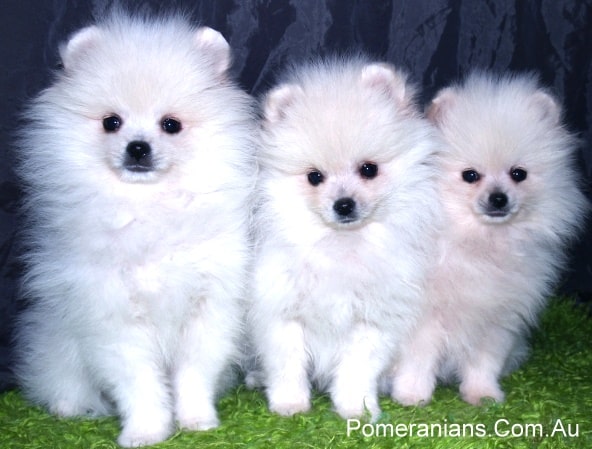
column 497, row 204
column 345, row 210
column 138, row 156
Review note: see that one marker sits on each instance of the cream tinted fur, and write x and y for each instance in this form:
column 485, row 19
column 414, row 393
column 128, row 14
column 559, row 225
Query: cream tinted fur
column 136, row 278
column 493, row 273
column 332, row 300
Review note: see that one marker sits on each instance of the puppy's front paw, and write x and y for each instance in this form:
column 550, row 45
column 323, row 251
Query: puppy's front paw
column 412, row 390
column 137, row 436
column 143, row 429
column 475, row 393
column 199, row 418
column 67, row 408
column 289, row 402
column 350, row 406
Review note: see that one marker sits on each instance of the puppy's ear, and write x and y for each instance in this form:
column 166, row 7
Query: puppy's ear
column 212, row 43
column 546, row 106
column 442, row 102
column 393, row 83
column 279, row 100
column 81, row 42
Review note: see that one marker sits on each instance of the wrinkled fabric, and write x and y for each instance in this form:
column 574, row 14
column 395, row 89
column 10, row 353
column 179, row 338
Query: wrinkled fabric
column 436, row 41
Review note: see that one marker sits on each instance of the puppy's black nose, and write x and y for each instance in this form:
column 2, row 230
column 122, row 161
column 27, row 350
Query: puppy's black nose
column 138, row 157
column 138, row 150
column 498, row 200
column 344, row 206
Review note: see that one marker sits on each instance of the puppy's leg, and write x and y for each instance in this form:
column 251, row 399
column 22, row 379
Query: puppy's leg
column 285, row 363
column 206, row 350
column 131, row 368
column 415, row 374
column 480, row 381
column 414, row 380
column 354, row 389
column 482, row 369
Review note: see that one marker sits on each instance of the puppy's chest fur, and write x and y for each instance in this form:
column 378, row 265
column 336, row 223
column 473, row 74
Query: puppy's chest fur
column 482, row 276
column 339, row 282
column 157, row 249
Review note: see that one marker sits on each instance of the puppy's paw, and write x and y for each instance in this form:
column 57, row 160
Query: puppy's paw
column 475, row 393
column 412, row 390
column 145, row 429
column 288, row 403
column 67, row 408
column 199, row 418
column 411, row 398
column 357, row 406
column 143, row 435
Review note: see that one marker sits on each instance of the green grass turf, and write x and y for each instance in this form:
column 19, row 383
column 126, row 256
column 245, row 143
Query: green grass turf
column 552, row 390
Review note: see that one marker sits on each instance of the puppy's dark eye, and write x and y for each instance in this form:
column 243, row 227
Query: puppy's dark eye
column 368, row 170
column 170, row 125
column 470, row 176
column 518, row 174
column 315, row 178
column 112, row 123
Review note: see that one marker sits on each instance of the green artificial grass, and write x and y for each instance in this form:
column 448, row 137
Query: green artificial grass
column 553, row 390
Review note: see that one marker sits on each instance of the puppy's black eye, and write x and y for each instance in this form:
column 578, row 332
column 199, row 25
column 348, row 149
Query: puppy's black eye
column 170, row 125
column 518, row 174
column 368, row 170
column 470, row 176
column 112, row 123
column 315, row 178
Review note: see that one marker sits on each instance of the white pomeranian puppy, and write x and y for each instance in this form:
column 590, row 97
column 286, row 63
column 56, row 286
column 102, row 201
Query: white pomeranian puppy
column 138, row 163
column 347, row 211
column 512, row 201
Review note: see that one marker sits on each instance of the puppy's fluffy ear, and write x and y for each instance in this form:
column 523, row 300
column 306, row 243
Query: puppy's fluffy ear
column 212, row 43
column 393, row 83
column 546, row 106
column 279, row 100
column 82, row 41
column 442, row 102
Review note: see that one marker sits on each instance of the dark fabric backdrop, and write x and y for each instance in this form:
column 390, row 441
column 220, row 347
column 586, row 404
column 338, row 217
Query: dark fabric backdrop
column 436, row 41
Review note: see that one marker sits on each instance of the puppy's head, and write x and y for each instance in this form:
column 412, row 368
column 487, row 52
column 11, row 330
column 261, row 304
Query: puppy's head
column 506, row 150
column 338, row 135
column 139, row 93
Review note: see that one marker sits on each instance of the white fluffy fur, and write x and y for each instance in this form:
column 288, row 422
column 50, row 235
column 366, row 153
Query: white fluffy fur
column 493, row 273
column 333, row 300
column 136, row 279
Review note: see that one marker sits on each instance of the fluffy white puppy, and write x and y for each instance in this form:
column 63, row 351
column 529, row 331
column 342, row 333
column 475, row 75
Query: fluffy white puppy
column 347, row 209
column 511, row 199
column 138, row 165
